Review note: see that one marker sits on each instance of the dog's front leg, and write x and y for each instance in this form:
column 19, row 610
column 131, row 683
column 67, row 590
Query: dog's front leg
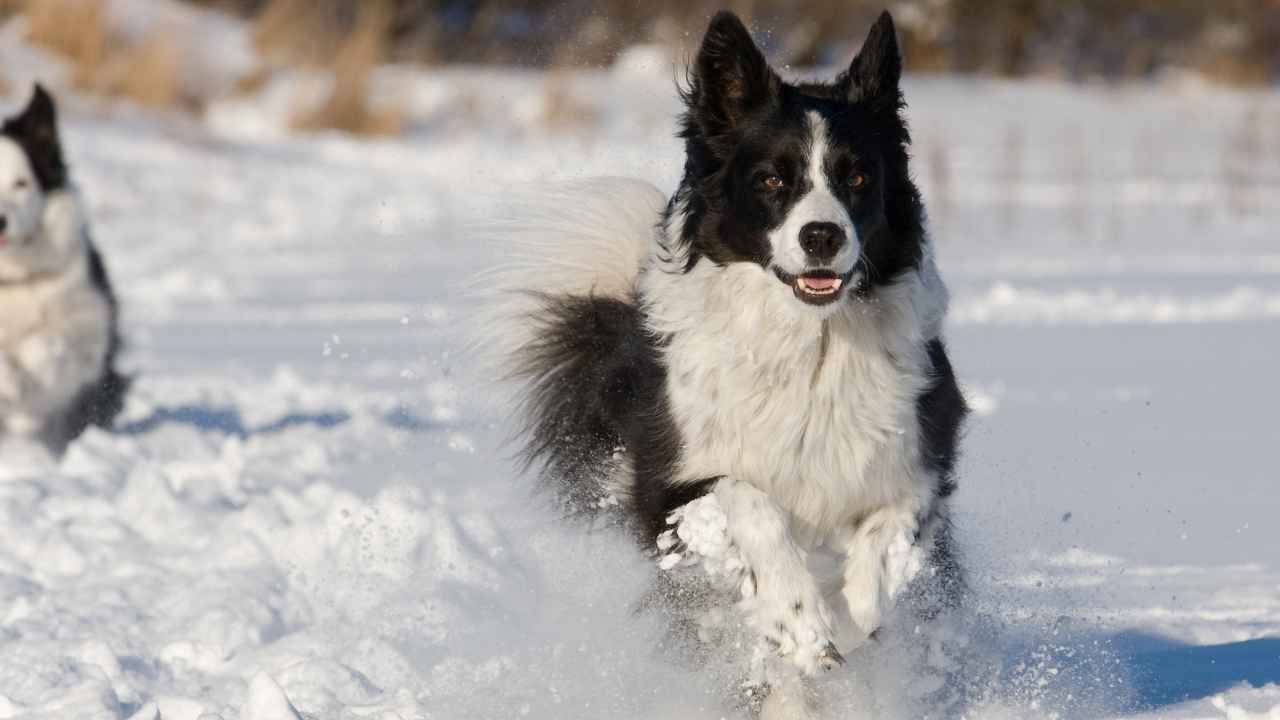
column 20, row 411
column 781, row 597
column 883, row 553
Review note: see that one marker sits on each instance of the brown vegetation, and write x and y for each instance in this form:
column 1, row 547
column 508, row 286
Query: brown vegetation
column 102, row 61
column 348, row 106
column 148, row 74
column 561, row 109
column 1229, row 40
column 75, row 29
column 303, row 31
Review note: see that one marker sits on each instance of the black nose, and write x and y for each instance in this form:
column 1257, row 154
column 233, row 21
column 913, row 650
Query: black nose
column 4, row 223
column 821, row 240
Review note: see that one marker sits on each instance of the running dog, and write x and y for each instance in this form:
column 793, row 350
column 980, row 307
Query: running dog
column 769, row 338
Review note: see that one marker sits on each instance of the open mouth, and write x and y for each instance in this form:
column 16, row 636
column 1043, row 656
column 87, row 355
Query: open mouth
column 815, row 287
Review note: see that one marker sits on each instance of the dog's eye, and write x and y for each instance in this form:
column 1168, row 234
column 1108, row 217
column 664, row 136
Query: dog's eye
column 772, row 182
column 21, row 184
column 857, row 181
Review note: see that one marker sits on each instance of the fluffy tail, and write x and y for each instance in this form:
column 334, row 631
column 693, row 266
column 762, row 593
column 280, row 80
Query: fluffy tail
column 559, row 318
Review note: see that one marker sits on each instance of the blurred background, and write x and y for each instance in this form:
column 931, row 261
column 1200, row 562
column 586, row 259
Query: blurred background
column 310, row 484
column 149, row 51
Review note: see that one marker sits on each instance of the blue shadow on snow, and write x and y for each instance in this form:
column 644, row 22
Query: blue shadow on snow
column 229, row 421
column 1170, row 673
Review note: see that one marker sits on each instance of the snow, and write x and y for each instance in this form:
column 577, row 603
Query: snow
column 308, row 509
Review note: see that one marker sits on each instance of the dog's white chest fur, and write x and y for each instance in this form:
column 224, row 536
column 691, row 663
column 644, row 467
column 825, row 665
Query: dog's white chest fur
column 38, row 305
column 55, row 328
column 24, row 306
column 818, row 412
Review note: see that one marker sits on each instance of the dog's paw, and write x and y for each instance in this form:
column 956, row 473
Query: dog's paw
column 797, row 623
column 697, row 534
column 873, row 584
column 903, row 561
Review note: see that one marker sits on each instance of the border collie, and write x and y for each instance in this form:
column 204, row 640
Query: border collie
column 768, row 338
column 58, row 338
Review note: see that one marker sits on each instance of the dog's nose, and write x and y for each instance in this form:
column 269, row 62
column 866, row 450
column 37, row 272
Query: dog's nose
column 821, row 240
column 4, row 223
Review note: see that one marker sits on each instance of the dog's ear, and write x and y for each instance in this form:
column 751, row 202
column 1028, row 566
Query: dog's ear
column 36, row 130
column 875, row 72
column 730, row 76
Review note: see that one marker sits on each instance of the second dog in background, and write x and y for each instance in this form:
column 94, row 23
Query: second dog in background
column 58, row 315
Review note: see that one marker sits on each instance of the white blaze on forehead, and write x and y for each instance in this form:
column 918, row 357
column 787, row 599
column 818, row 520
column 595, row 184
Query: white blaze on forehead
column 819, row 204
column 817, row 151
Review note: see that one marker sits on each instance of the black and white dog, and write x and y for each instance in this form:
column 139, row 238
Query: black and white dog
column 769, row 338
column 58, row 336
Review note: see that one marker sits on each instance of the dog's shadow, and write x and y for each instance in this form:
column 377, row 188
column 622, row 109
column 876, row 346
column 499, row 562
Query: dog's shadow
column 1164, row 673
column 1097, row 673
column 229, row 421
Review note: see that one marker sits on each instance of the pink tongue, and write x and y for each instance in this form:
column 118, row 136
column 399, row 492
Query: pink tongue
column 818, row 283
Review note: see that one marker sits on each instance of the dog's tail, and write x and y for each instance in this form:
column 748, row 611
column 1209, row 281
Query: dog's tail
column 580, row 239
column 560, row 319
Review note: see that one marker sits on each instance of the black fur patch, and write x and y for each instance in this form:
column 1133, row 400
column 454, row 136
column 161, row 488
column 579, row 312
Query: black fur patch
column 99, row 403
column 941, row 411
column 597, row 390
column 35, row 130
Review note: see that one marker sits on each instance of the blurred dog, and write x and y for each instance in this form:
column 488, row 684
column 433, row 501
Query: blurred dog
column 58, row 336
column 769, row 339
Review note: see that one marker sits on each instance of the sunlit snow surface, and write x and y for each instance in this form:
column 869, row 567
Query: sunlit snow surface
column 307, row 508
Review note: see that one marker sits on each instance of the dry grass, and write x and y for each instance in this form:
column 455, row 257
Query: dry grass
column 348, row 108
column 102, row 61
column 149, row 74
column 1234, row 70
column 254, row 82
column 307, row 32
column 75, row 29
column 149, row 71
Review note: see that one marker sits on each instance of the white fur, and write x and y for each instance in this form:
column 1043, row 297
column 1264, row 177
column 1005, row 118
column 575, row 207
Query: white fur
column 829, row 434
column 584, row 238
column 882, row 555
column 816, row 410
column 819, row 204
column 55, row 326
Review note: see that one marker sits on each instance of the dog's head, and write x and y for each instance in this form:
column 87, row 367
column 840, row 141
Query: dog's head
column 31, row 170
column 31, row 167
column 808, row 181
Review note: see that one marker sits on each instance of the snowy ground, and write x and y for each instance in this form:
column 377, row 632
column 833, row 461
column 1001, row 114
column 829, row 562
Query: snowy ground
column 308, row 496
